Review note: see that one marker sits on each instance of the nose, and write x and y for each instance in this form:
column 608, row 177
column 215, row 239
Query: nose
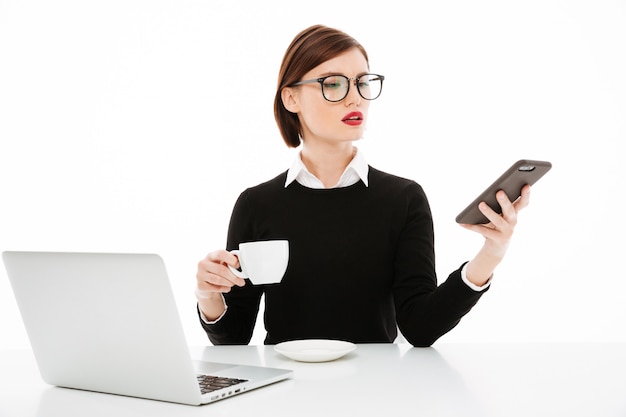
column 353, row 96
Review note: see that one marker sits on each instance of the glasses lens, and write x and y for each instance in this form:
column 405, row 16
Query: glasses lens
column 370, row 86
column 335, row 87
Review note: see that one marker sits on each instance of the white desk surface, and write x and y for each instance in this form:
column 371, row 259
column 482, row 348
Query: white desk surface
column 458, row 380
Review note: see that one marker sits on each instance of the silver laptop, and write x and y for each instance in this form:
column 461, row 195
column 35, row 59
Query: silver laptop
column 109, row 323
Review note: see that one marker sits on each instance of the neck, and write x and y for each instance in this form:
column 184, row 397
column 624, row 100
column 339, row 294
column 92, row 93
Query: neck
column 327, row 163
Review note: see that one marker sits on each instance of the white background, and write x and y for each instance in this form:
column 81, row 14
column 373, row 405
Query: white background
column 132, row 126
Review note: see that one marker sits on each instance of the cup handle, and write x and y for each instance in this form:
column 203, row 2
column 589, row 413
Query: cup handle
column 238, row 273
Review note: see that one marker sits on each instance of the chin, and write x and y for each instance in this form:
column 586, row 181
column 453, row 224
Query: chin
column 355, row 135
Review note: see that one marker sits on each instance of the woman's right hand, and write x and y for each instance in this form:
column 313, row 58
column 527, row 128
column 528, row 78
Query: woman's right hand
column 214, row 278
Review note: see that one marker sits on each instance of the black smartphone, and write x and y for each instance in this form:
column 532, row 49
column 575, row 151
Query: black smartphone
column 522, row 172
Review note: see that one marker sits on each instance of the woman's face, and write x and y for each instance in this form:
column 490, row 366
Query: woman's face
column 325, row 121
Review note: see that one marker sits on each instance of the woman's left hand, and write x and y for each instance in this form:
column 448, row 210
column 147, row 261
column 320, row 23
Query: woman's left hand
column 499, row 230
column 497, row 233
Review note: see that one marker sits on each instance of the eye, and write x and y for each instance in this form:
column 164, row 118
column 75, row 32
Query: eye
column 366, row 80
column 334, row 82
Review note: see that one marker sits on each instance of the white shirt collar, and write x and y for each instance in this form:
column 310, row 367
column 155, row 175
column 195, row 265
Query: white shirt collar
column 356, row 171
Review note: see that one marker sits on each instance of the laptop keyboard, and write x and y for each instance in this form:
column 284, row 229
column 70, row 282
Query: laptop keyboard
column 210, row 383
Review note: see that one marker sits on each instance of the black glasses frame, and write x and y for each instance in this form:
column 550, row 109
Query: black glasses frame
column 356, row 83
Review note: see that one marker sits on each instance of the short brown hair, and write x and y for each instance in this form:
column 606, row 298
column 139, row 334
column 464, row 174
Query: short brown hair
column 310, row 48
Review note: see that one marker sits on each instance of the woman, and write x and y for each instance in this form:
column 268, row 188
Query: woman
column 361, row 242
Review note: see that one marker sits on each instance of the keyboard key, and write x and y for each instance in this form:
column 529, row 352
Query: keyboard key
column 210, row 383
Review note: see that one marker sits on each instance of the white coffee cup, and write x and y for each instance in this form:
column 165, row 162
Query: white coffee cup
column 263, row 262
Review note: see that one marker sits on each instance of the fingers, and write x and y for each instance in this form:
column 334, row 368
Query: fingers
column 524, row 199
column 509, row 208
column 509, row 214
column 214, row 275
column 500, row 227
column 223, row 257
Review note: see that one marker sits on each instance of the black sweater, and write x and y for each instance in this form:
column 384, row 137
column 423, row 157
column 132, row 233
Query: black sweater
column 361, row 265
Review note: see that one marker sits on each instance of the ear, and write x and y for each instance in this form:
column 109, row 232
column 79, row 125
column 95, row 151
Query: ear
column 290, row 101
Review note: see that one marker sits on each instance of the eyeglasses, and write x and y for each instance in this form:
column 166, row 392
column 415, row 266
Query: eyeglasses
column 335, row 87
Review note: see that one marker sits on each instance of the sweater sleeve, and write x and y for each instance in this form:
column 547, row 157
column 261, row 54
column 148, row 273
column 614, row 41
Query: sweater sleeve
column 237, row 324
column 425, row 311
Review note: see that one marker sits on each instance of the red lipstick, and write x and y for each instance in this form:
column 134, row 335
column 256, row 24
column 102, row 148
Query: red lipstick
column 354, row 118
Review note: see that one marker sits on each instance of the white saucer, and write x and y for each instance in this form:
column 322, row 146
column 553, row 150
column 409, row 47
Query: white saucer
column 314, row 350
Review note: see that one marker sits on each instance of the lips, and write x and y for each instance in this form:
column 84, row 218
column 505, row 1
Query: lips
column 354, row 118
